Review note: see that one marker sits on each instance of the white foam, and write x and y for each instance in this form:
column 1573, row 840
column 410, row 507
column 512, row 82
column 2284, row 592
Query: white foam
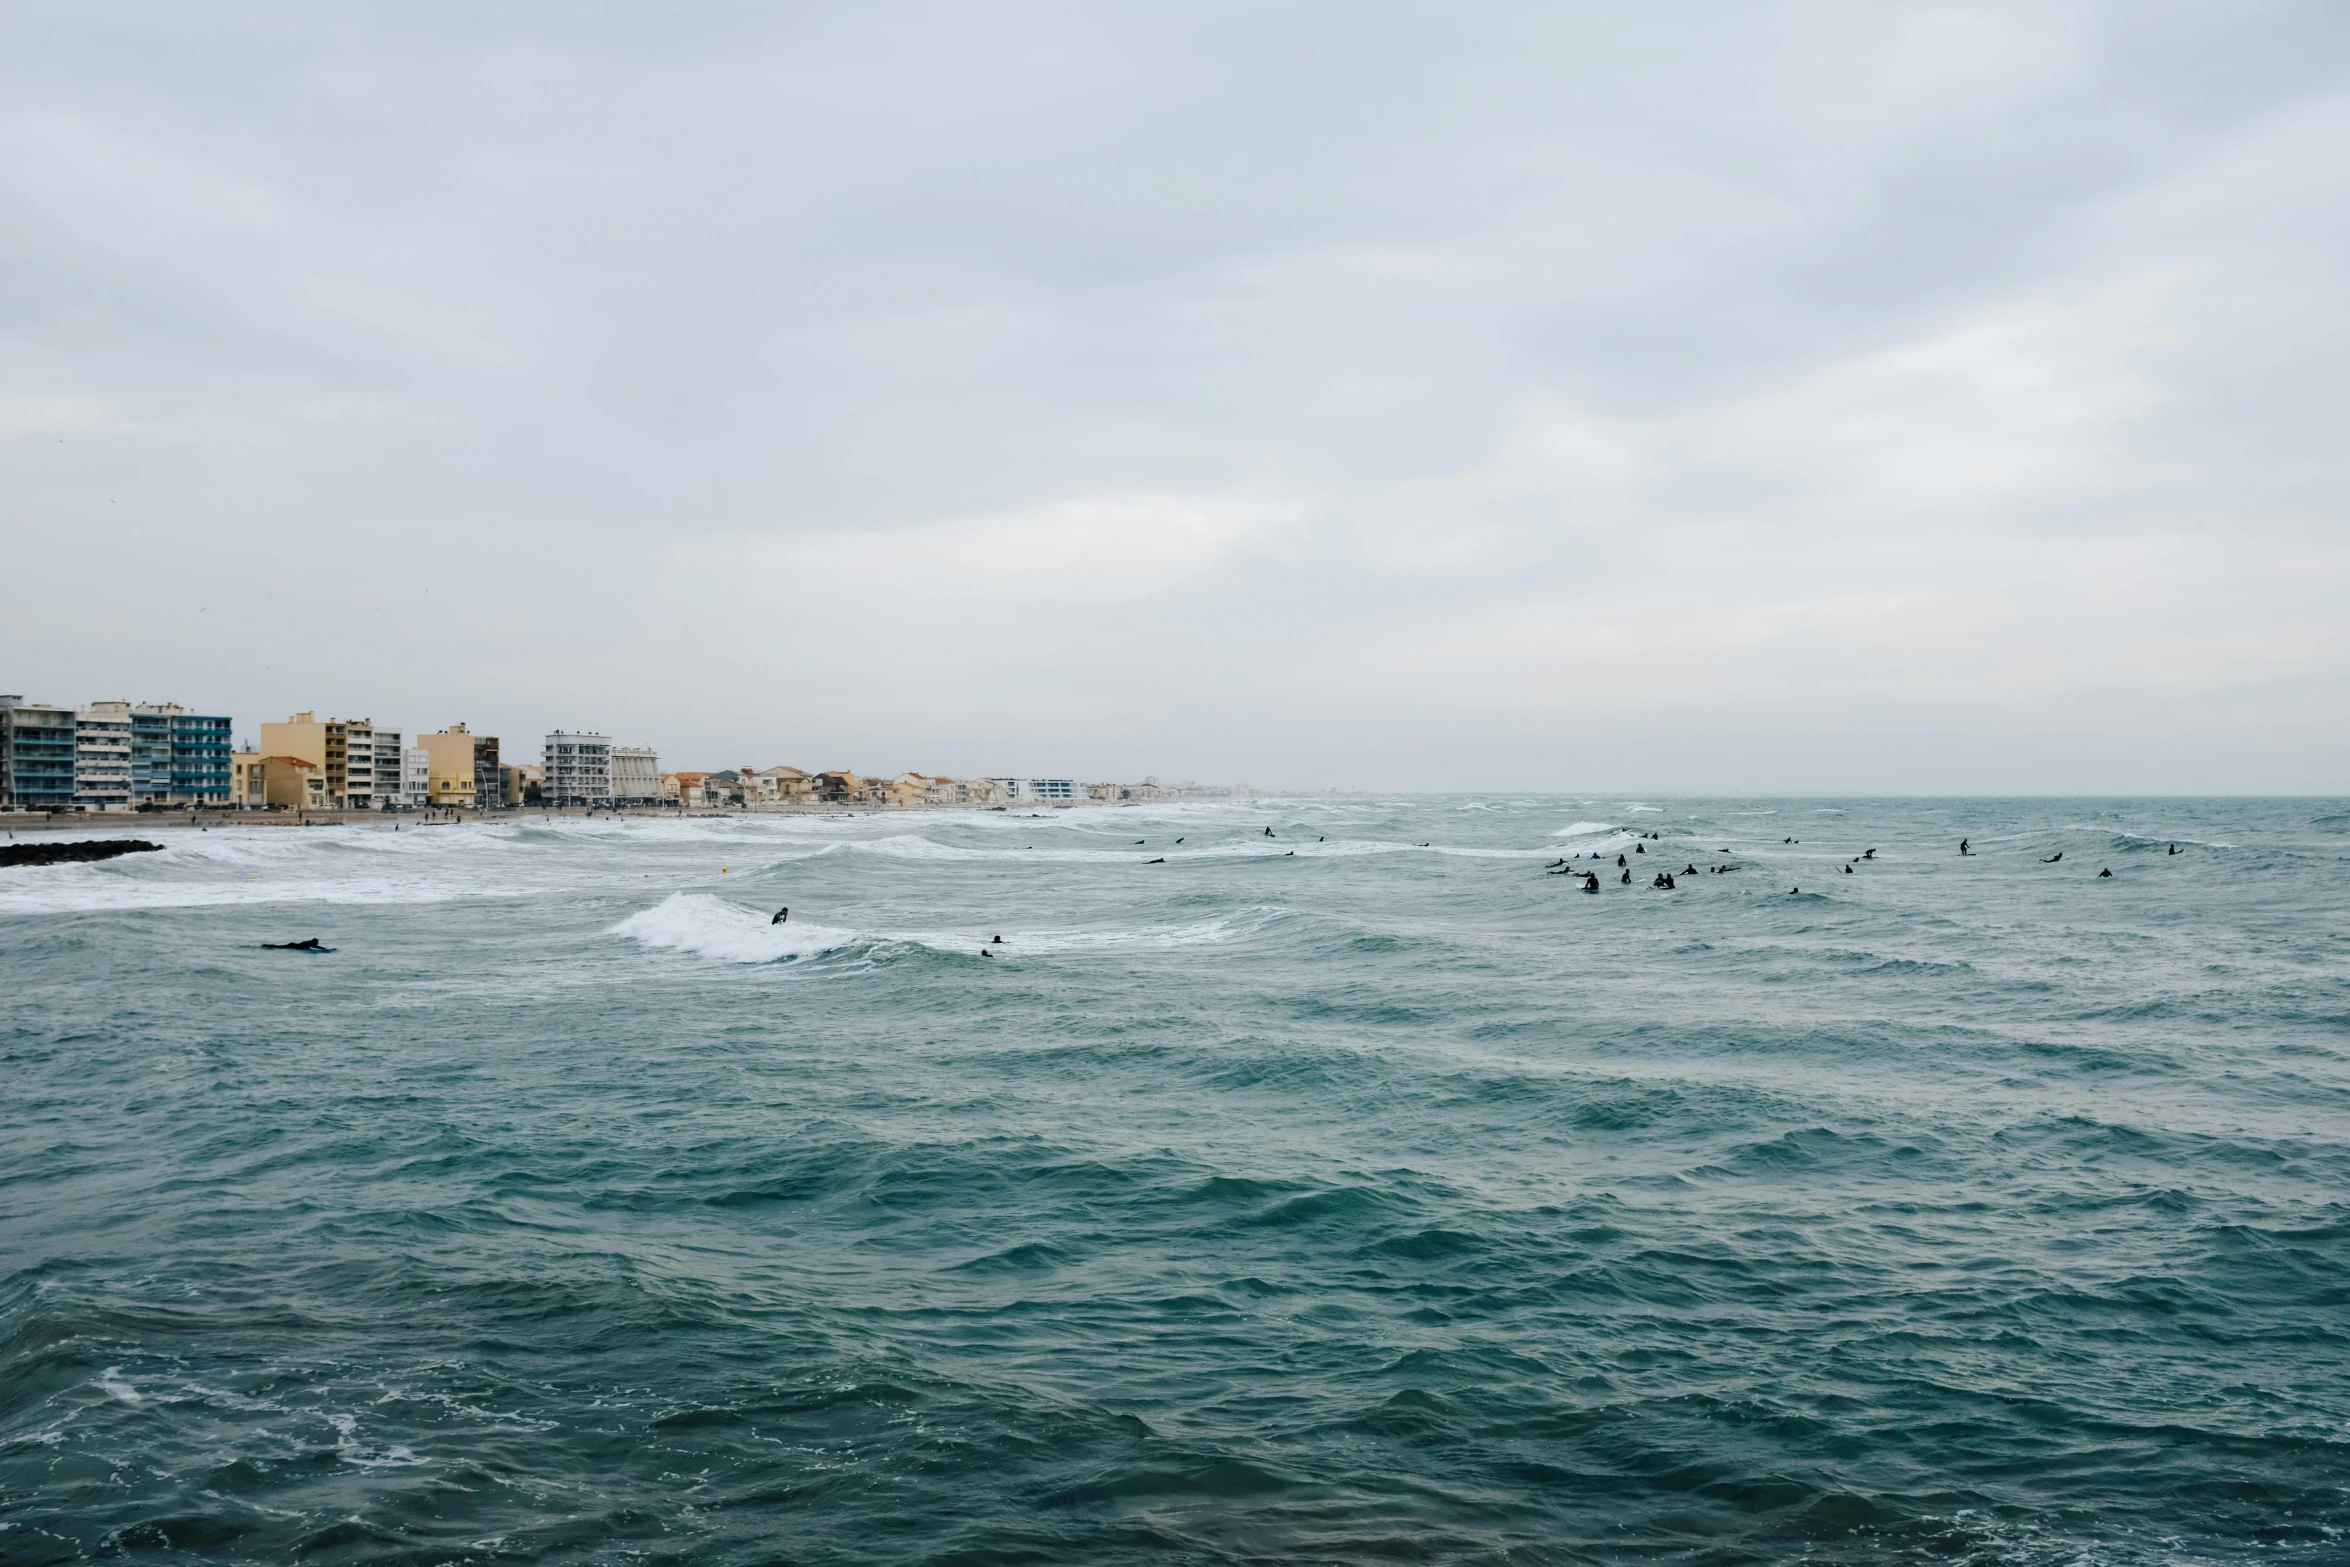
column 711, row 927
column 1581, row 829
column 714, row 928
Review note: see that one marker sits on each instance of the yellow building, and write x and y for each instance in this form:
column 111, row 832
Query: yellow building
column 465, row 769
column 450, row 754
column 324, row 745
column 244, row 786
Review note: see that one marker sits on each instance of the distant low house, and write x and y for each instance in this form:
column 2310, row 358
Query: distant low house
column 839, row 788
column 684, row 788
column 904, row 790
column 724, row 787
column 776, row 785
column 980, row 792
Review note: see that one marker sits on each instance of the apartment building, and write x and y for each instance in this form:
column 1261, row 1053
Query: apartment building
column 36, row 755
column 179, row 757
column 636, row 775
column 451, row 777
column 372, row 779
column 577, row 769
column 489, row 774
column 415, row 777
column 102, row 757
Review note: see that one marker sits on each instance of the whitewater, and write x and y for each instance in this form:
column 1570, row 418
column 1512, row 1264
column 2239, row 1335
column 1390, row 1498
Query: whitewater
column 1121, row 1185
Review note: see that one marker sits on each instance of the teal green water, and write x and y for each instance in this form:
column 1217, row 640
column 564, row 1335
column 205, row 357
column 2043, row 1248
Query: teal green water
column 1384, row 1200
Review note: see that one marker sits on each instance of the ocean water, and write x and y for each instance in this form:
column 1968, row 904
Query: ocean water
column 1360, row 1193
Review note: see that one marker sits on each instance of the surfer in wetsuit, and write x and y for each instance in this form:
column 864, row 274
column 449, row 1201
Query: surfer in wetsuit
column 311, row 945
column 2053, row 858
column 1626, row 878
column 2174, row 848
column 2106, row 872
column 780, row 916
column 1962, row 846
column 1591, row 881
column 1621, row 861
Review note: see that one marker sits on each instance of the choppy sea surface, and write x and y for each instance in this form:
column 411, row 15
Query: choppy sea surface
column 1356, row 1193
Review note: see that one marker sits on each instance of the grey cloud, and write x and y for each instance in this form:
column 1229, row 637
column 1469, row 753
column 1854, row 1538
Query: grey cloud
column 1963, row 376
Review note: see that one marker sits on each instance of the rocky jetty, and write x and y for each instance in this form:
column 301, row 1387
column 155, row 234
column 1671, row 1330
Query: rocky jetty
column 72, row 853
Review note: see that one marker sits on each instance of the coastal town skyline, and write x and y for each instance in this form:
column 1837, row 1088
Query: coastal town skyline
column 115, row 756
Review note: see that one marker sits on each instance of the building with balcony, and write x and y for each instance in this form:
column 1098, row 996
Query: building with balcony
column 102, row 757
column 371, row 771
column 179, row 757
column 36, row 755
column 636, row 775
column 577, row 769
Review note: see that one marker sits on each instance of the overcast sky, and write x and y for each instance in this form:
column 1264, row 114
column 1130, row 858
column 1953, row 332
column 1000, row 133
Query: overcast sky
column 1812, row 397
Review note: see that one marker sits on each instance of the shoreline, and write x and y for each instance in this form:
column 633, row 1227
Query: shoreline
column 12, row 822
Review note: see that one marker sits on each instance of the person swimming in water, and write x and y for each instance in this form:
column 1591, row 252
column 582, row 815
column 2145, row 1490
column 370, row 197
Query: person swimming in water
column 1591, row 881
column 781, row 915
column 1640, row 848
column 1869, row 854
column 1268, row 832
column 2174, row 848
column 2053, row 858
column 312, row 944
column 1154, row 862
column 999, row 941
column 1621, row 862
column 2106, row 872
column 1626, row 878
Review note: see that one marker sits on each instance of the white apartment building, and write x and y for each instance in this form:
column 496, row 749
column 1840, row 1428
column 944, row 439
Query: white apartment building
column 415, row 777
column 390, row 746
column 102, row 757
column 576, row 769
column 373, row 775
column 371, row 766
column 636, row 776
column 1055, row 789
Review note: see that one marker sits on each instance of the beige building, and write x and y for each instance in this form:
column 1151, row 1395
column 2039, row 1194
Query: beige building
column 290, row 783
column 449, row 754
column 324, row 744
